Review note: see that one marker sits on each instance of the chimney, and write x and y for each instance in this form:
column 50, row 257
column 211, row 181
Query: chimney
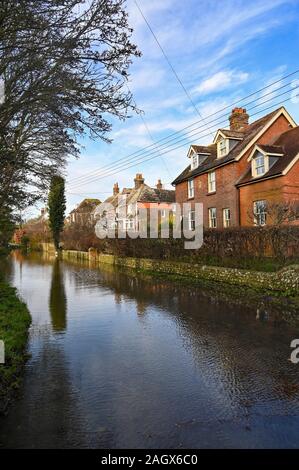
column 139, row 180
column 238, row 119
column 115, row 189
column 159, row 185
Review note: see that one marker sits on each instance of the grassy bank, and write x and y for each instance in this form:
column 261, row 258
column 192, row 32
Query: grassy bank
column 14, row 323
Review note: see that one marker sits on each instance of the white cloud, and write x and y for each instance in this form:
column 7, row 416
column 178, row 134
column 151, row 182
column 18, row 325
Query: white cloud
column 220, row 81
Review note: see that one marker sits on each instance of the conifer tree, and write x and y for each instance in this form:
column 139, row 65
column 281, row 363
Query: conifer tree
column 56, row 206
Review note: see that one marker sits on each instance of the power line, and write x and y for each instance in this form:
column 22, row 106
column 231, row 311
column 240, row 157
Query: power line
column 180, row 146
column 169, row 137
column 187, row 138
column 178, row 132
column 151, row 156
column 167, row 148
column 151, row 137
column 169, row 63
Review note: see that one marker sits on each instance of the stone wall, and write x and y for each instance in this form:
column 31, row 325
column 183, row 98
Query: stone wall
column 283, row 282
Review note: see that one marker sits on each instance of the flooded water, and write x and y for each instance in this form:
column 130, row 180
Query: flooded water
column 120, row 361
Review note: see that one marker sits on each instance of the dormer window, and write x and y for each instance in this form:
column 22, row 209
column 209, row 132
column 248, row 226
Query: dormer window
column 198, row 154
column 222, row 148
column 226, row 140
column 194, row 161
column 262, row 158
column 259, row 165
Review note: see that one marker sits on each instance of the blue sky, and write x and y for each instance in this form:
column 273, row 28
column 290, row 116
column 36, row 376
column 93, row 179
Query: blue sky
column 221, row 50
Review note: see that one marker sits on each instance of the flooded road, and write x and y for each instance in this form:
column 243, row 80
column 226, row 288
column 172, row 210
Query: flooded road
column 121, row 361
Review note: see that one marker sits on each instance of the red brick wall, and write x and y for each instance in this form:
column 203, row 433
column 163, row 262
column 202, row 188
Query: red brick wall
column 227, row 195
column 275, row 190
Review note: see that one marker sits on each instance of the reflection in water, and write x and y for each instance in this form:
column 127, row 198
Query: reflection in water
column 57, row 300
column 147, row 363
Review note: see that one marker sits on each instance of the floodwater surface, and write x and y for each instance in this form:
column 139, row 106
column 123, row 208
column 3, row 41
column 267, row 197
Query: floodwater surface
column 122, row 361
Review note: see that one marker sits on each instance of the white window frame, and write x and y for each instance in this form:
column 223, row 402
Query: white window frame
column 194, row 161
column 259, row 165
column 260, row 213
column 191, row 220
column 226, row 217
column 222, row 147
column 212, row 182
column 212, row 217
column 191, row 188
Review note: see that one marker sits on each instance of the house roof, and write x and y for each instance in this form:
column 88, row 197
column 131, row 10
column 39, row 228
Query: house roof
column 212, row 162
column 202, row 148
column 232, row 134
column 147, row 194
column 86, row 205
column 144, row 194
column 288, row 142
column 157, row 195
column 271, row 149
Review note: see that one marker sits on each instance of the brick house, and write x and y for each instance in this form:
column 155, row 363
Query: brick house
column 141, row 195
column 246, row 169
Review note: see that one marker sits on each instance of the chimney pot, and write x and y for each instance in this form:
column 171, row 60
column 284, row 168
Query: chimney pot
column 115, row 189
column 159, row 184
column 139, row 180
column 239, row 119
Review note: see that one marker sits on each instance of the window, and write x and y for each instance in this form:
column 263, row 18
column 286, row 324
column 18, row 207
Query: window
column 194, row 161
column 260, row 212
column 129, row 224
column 222, row 148
column 212, row 182
column 226, row 218
column 191, row 220
column 190, row 188
column 212, row 217
column 259, row 165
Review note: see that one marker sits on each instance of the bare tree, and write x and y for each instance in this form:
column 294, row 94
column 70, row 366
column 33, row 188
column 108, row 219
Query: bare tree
column 64, row 64
column 283, row 212
column 274, row 213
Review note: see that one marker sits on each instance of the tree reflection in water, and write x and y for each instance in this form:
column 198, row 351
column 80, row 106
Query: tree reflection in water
column 57, row 299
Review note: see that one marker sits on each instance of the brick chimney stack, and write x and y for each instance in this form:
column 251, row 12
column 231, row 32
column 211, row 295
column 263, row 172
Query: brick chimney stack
column 115, row 189
column 159, row 184
column 238, row 119
column 139, row 180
